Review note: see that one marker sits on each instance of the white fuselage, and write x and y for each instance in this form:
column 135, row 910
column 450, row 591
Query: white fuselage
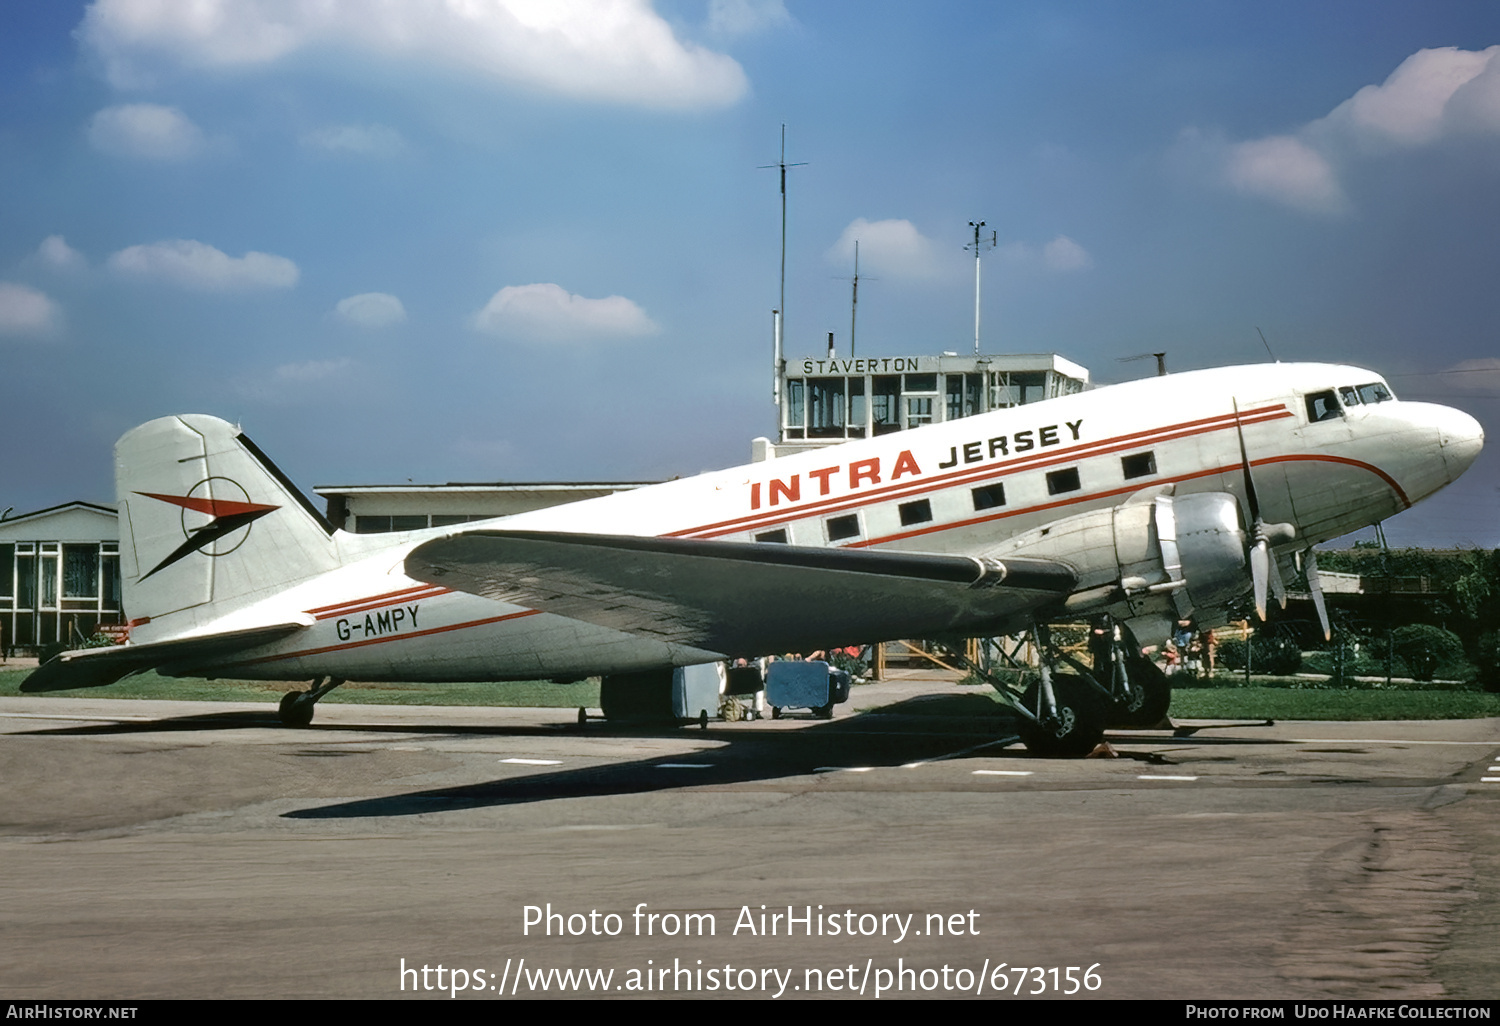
column 961, row 487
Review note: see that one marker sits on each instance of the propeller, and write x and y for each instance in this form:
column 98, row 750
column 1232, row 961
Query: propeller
column 1315, row 586
column 1263, row 571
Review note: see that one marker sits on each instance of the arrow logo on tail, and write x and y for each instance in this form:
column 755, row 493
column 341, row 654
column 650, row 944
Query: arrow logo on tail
column 228, row 516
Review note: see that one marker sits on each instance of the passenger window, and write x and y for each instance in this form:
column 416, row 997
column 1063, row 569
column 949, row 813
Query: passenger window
column 989, row 496
column 1060, row 481
column 918, row 512
column 840, row 528
column 1142, row 464
column 1375, row 392
column 1348, row 395
column 1322, row 406
column 776, row 537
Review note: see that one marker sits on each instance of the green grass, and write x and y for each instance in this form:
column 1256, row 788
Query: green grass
column 502, row 693
column 1272, row 703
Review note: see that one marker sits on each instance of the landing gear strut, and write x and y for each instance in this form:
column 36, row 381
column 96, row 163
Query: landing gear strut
column 296, row 708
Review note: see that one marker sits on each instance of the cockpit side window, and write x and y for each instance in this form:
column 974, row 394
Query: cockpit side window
column 1323, row 406
column 1375, row 392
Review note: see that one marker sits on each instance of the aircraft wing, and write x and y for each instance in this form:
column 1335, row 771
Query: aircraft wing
column 96, row 667
column 740, row 598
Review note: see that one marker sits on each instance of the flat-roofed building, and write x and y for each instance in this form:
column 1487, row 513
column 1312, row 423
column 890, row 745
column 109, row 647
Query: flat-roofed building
column 832, row 399
column 372, row 509
column 59, row 575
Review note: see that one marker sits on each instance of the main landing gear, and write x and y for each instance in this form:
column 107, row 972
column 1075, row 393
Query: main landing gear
column 296, row 708
column 1065, row 713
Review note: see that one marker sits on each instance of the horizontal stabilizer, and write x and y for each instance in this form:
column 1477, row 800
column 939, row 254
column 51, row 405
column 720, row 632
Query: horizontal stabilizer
column 96, row 667
column 741, row 598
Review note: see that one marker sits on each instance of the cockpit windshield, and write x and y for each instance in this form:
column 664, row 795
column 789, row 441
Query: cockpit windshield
column 1375, row 392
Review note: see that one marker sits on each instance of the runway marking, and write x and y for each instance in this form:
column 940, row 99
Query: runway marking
column 1378, row 741
column 684, row 765
column 533, row 762
column 1489, row 780
column 1002, row 773
column 78, row 719
column 1161, row 776
column 842, row 769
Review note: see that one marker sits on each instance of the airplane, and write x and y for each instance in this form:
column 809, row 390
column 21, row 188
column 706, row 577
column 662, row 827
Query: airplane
column 1130, row 506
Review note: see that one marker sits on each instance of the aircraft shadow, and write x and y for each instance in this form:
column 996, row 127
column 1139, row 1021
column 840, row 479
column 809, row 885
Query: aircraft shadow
column 920, row 729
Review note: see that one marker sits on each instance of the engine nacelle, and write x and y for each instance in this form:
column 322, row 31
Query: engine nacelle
column 1150, row 563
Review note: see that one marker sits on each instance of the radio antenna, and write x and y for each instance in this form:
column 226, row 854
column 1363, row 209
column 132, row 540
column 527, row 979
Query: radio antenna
column 977, row 245
column 780, row 315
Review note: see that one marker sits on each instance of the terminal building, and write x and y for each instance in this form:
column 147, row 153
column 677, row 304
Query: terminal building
column 830, row 400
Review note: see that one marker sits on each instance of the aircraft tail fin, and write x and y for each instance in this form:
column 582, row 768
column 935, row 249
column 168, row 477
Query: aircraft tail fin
column 208, row 524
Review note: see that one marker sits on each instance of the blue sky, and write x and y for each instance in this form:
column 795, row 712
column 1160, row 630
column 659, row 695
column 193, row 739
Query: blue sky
column 437, row 241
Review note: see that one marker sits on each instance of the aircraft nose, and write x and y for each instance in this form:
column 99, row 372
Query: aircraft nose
column 1460, row 439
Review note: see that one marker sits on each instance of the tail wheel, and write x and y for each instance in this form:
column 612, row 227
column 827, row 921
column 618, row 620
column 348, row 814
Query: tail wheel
column 1079, row 722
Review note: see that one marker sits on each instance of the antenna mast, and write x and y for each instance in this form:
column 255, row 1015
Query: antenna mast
column 977, row 247
column 779, row 314
column 854, row 302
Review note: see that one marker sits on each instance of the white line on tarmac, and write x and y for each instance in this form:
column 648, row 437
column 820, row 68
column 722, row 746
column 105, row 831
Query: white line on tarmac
column 1489, row 780
column 76, row 719
column 1002, row 773
column 1161, row 776
column 533, row 762
column 842, row 769
column 1378, row 741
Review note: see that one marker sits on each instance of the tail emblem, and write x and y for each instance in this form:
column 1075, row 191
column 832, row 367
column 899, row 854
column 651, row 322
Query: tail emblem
column 225, row 517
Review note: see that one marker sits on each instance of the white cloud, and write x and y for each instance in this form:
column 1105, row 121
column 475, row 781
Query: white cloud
column 57, row 254
column 549, row 312
column 1285, row 169
column 617, row 51
column 146, row 131
column 1411, row 108
column 1062, row 255
column 361, row 140
column 892, row 247
column 1432, row 95
column 371, row 310
column 25, row 311
column 198, row 265
column 734, row 18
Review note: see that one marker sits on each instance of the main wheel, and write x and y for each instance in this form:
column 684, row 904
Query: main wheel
column 295, row 710
column 1080, row 718
column 1150, row 695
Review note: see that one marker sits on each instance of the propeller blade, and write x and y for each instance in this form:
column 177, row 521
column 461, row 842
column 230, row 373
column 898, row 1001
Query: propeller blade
column 1251, row 499
column 1260, row 560
column 1277, row 587
column 1315, row 586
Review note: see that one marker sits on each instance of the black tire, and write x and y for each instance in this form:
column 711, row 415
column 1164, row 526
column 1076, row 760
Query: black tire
column 295, row 711
column 1081, row 711
column 824, row 712
column 775, row 712
column 703, row 719
column 1150, row 696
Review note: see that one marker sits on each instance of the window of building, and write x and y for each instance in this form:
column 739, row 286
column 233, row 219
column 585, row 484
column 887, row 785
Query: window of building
column 825, row 408
column 841, row 528
column 80, row 569
column 989, row 496
column 7, row 573
column 857, row 407
column 1141, row 464
column 776, row 537
column 918, row 411
column 886, row 403
column 1060, row 481
column 794, row 408
column 918, row 512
